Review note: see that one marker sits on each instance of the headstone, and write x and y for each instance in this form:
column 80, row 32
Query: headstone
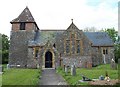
column 38, row 66
column 73, row 70
column 0, row 68
column 101, row 77
column 8, row 66
column 66, row 70
column 113, row 64
column 64, row 67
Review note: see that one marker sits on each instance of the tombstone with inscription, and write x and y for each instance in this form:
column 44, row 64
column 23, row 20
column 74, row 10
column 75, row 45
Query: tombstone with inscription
column 113, row 64
column 73, row 70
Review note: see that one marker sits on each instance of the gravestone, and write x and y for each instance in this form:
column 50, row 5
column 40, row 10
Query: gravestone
column 38, row 66
column 1, row 69
column 8, row 66
column 73, row 70
column 64, row 67
column 113, row 64
column 66, row 70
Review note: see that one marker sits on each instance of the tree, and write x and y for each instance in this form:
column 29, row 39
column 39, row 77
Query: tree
column 117, row 52
column 4, row 39
column 112, row 33
column 90, row 29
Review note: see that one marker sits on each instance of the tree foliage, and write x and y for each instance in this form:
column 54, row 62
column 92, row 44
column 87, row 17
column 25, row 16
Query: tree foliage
column 5, row 47
column 112, row 33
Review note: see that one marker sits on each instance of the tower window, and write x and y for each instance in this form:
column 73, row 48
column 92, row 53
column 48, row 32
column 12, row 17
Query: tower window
column 22, row 26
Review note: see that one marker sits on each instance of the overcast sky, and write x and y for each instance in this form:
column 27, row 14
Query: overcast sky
column 57, row 14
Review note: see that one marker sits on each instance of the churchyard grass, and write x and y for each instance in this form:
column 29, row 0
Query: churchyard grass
column 18, row 76
column 93, row 73
column 0, row 80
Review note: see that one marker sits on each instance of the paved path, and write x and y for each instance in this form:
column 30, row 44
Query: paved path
column 50, row 77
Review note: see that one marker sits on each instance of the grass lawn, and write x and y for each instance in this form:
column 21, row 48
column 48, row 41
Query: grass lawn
column 0, row 80
column 93, row 73
column 19, row 76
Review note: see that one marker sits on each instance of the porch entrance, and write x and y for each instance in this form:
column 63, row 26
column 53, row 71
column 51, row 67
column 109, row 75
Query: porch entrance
column 48, row 59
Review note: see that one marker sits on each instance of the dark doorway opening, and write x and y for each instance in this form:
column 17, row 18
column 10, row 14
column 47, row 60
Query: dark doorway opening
column 48, row 59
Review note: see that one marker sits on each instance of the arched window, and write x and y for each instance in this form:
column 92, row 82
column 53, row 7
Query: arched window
column 36, row 53
column 67, row 46
column 78, row 46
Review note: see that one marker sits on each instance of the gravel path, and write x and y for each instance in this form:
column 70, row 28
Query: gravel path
column 50, row 77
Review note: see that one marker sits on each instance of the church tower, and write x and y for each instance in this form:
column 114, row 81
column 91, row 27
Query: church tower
column 23, row 30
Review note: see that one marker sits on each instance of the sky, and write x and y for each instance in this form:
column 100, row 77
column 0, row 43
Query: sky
column 57, row 14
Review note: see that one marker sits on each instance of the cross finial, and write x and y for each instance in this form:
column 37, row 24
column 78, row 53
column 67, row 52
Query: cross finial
column 72, row 20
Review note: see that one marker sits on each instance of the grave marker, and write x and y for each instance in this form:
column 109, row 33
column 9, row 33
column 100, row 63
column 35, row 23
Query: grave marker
column 73, row 70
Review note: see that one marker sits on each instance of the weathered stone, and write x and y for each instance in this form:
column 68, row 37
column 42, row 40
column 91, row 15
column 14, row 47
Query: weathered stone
column 113, row 64
column 1, row 68
column 66, row 70
column 73, row 70
column 8, row 66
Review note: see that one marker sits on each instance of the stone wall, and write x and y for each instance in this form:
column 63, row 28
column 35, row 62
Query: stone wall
column 79, row 61
column 31, row 61
column 98, row 56
column 18, row 51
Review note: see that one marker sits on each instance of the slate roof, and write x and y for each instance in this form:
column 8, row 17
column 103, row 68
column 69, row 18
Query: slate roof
column 25, row 16
column 42, row 36
column 99, row 38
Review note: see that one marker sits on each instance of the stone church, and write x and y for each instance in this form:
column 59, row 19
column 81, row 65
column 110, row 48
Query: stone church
column 31, row 47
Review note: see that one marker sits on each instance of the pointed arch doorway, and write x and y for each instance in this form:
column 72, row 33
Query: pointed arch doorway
column 48, row 59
